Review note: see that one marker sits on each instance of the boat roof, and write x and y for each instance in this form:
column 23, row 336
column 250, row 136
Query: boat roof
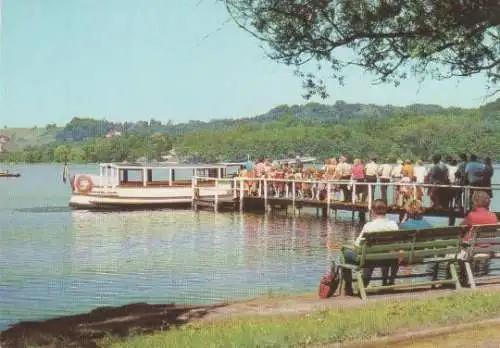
column 163, row 165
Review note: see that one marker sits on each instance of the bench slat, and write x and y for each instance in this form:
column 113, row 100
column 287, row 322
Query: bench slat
column 418, row 245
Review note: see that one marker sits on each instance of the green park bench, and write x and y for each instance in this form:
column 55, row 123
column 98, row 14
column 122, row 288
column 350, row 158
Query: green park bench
column 483, row 247
column 408, row 248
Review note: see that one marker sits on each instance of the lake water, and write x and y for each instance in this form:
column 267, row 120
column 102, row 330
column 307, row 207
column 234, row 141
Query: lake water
column 54, row 261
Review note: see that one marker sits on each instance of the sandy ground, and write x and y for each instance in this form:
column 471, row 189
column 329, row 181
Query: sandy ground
column 84, row 330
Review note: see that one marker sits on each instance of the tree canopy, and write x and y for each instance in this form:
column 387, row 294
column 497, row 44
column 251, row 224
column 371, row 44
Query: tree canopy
column 390, row 38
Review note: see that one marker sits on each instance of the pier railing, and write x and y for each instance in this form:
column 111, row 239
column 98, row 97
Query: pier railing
column 299, row 190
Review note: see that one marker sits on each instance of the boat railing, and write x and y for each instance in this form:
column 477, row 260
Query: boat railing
column 326, row 190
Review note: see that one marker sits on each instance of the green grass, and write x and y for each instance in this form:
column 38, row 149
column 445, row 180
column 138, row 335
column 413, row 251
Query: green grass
column 325, row 326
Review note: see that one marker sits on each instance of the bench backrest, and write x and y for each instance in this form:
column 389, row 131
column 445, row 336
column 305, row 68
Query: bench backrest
column 410, row 246
column 485, row 238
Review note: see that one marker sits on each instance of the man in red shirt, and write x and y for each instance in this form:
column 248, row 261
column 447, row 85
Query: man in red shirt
column 480, row 215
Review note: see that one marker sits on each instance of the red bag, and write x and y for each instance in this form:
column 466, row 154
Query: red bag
column 329, row 283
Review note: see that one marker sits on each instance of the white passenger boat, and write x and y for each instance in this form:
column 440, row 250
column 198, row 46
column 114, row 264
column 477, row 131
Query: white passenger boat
column 137, row 186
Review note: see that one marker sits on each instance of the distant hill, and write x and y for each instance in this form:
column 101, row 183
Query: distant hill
column 24, row 137
column 81, row 129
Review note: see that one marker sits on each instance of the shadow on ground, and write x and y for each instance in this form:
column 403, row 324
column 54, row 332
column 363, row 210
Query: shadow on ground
column 85, row 330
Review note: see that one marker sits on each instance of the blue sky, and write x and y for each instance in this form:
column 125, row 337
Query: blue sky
column 126, row 60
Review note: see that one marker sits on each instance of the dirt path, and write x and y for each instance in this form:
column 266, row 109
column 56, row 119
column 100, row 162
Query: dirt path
column 84, row 330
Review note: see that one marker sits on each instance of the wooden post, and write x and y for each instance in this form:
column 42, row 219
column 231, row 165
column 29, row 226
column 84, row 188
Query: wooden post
column 370, row 189
column 144, row 177
column 242, row 193
column 235, row 188
column 353, row 188
column 265, row 195
column 328, row 197
column 216, row 199
column 193, row 193
column 170, row 176
column 293, row 196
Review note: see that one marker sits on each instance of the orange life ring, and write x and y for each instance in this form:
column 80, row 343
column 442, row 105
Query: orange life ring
column 84, row 184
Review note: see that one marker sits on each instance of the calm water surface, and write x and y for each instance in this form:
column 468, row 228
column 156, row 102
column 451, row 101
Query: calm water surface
column 54, row 261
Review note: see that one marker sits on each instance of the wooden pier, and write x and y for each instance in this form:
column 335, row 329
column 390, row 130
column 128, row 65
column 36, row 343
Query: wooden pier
column 242, row 198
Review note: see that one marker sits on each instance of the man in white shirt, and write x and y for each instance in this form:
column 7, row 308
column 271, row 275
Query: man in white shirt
column 371, row 171
column 384, row 174
column 420, row 172
column 378, row 223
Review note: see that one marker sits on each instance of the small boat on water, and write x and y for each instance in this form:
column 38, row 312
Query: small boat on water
column 9, row 175
column 133, row 186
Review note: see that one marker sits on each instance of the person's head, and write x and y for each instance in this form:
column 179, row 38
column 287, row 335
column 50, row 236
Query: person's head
column 356, row 162
column 481, row 199
column 436, row 159
column 419, row 162
column 373, row 159
column 242, row 167
column 379, row 208
column 473, row 158
column 487, row 160
column 407, row 161
column 454, row 162
column 414, row 208
column 463, row 157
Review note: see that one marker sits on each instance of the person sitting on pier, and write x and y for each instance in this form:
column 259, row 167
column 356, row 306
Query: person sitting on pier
column 414, row 218
column 378, row 223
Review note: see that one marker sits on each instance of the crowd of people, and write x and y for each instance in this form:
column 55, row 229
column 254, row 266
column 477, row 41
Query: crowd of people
column 409, row 179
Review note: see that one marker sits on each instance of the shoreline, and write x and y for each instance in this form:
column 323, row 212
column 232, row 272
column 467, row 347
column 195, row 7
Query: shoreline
column 135, row 320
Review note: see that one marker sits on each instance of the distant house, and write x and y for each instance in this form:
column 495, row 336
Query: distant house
column 4, row 140
column 113, row 133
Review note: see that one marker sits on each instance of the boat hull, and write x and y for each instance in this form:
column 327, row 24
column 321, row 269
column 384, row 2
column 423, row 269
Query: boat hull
column 3, row 175
column 138, row 199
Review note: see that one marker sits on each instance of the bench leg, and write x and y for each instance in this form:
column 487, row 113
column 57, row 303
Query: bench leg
column 361, row 285
column 454, row 276
column 470, row 277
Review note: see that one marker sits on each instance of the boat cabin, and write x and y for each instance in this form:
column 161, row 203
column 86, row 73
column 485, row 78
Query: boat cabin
column 137, row 175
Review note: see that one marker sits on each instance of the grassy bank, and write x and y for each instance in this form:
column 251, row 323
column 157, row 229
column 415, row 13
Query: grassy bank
column 326, row 326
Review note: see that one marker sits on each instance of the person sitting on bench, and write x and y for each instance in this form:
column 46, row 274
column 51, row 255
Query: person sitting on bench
column 378, row 223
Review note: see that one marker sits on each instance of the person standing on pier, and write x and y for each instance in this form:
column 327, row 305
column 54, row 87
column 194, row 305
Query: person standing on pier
column 420, row 172
column 358, row 175
column 488, row 174
column 345, row 171
column 461, row 179
column 397, row 175
column 371, row 171
column 475, row 171
column 438, row 175
column 384, row 173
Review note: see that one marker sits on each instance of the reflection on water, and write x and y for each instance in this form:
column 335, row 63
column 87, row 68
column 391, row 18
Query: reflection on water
column 95, row 259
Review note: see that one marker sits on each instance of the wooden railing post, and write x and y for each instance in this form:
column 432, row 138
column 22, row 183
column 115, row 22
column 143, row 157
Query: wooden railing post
column 328, row 197
column 353, row 188
column 370, row 190
column 242, row 193
column 265, row 194
column 216, row 198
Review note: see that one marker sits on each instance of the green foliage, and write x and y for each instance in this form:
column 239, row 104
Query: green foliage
column 391, row 38
column 322, row 327
column 358, row 130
